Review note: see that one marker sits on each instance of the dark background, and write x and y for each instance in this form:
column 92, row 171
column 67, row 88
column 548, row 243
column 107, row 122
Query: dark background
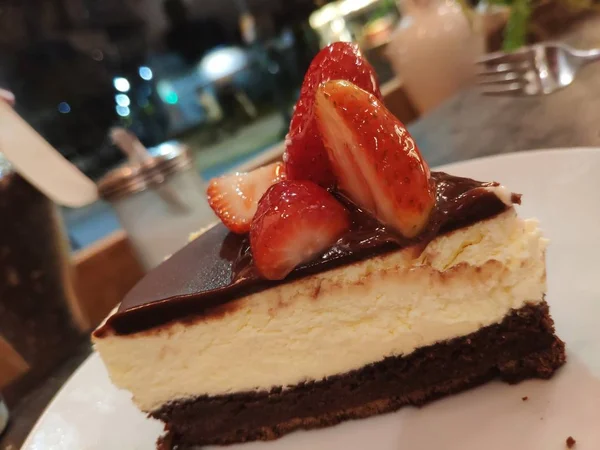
column 60, row 58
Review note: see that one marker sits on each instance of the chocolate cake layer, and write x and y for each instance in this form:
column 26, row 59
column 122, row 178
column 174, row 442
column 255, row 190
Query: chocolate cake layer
column 522, row 346
column 218, row 267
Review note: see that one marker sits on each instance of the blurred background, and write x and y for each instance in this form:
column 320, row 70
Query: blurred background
column 220, row 76
column 207, row 87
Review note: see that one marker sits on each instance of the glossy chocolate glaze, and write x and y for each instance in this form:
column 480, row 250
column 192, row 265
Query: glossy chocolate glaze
column 217, row 268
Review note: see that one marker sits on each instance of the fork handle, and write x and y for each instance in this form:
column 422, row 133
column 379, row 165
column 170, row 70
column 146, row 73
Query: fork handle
column 589, row 56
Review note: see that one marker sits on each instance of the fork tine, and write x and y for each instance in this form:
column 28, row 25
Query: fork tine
column 501, row 79
column 505, row 68
column 522, row 55
column 510, row 90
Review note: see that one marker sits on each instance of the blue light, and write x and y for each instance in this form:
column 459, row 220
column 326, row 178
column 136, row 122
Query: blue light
column 171, row 98
column 145, row 73
column 64, row 108
column 123, row 111
column 166, row 92
column 122, row 100
column 121, row 84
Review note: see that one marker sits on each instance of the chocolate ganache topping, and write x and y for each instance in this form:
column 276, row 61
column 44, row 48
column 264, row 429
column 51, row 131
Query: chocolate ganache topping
column 217, row 267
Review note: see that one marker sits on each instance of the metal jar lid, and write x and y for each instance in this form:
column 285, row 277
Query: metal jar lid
column 166, row 159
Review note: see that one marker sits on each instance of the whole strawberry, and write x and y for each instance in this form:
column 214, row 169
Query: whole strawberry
column 305, row 157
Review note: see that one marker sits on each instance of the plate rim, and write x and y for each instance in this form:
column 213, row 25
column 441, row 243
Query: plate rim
column 519, row 155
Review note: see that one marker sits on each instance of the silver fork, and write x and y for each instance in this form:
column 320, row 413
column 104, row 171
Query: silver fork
column 533, row 70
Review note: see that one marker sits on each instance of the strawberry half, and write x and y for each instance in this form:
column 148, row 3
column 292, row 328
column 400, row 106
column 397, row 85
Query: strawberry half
column 375, row 159
column 234, row 197
column 295, row 221
column 305, row 157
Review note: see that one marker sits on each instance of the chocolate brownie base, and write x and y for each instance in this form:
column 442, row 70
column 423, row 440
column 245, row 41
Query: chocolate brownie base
column 522, row 346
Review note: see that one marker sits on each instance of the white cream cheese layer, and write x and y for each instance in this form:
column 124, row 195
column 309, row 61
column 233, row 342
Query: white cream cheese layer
column 337, row 321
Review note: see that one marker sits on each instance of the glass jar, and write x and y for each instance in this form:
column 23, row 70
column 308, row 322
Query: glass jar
column 159, row 202
column 40, row 319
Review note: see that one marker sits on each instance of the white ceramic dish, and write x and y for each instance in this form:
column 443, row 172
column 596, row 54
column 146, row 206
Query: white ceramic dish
column 562, row 189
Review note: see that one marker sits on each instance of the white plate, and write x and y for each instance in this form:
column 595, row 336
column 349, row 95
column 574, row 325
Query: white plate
column 562, row 189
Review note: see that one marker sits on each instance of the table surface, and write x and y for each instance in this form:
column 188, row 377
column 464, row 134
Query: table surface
column 467, row 126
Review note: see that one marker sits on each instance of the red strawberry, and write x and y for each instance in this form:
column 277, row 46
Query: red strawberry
column 375, row 160
column 305, row 157
column 295, row 221
column 234, row 197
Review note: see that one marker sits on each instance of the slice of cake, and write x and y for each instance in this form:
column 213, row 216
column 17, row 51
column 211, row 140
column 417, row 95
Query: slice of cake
column 337, row 290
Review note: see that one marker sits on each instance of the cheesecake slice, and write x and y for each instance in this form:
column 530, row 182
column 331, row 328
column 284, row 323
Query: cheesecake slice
column 222, row 356
column 345, row 282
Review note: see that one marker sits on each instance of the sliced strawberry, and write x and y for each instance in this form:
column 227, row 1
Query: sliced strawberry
column 295, row 221
column 305, row 157
column 375, row 160
column 234, row 197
